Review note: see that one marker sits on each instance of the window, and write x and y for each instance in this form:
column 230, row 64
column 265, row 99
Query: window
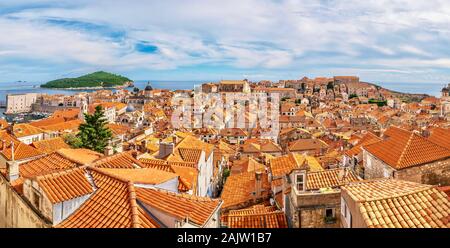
column 37, row 200
column 329, row 212
column 300, row 182
column 330, row 216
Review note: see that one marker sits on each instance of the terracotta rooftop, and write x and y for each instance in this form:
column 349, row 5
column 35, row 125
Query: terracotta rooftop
column 23, row 130
column 329, row 178
column 141, row 176
column 122, row 160
column 402, row 149
column 21, row 150
column 392, row 203
column 258, row 216
column 113, row 205
column 80, row 156
column 65, row 185
column 71, row 126
column 51, row 163
column 441, row 137
column 246, row 164
column 239, row 189
column 198, row 210
column 307, row 144
column 367, row 139
column 50, row 145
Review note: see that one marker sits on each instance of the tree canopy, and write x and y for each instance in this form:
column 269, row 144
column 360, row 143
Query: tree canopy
column 94, row 134
column 96, row 79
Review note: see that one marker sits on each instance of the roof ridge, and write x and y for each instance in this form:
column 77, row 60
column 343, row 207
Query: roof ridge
column 233, row 214
column 66, row 157
column 135, row 222
column 108, row 174
column 408, row 143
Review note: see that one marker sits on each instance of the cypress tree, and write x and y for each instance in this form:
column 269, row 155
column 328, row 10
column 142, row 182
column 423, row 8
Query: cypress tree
column 94, row 134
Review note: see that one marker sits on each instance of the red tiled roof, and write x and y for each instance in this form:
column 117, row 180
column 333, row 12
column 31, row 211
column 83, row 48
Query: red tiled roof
column 113, row 205
column 388, row 203
column 255, row 218
column 368, row 139
column 51, row 163
column 403, row 149
column 120, row 160
column 441, row 137
column 197, row 210
column 240, row 189
column 21, row 150
column 50, row 145
column 65, row 185
column 329, row 178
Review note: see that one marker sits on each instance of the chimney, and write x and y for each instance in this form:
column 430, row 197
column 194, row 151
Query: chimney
column 258, row 184
column 10, row 129
column 109, row 150
column 134, row 154
column 12, row 170
column 165, row 149
column 144, row 143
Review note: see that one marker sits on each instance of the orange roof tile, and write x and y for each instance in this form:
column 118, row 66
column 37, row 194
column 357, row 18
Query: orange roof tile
column 3, row 124
column 71, row 126
column 198, row 210
column 21, row 150
column 441, row 137
column 403, row 149
column 47, row 122
column 51, row 163
column 50, row 145
column 80, row 156
column 23, row 130
column 368, row 139
column 113, row 205
column 240, row 189
column 256, row 218
column 329, row 178
column 65, row 185
column 68, row 114
column 246, row 164
column 389, row 203
column 307, row 144
column 122, row 160
column 142, row 176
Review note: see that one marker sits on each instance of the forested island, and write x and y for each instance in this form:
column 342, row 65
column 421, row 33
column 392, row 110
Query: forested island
column 98, row 79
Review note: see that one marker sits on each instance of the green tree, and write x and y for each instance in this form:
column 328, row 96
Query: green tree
column 93, row 133
column 72, row 140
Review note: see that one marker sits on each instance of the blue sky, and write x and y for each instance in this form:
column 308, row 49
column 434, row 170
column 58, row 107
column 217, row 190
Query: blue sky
column 380, row 41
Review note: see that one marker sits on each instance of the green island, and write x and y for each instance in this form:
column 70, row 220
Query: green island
column 98, row 79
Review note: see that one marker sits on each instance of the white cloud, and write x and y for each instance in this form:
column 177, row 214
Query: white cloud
column 252, row 34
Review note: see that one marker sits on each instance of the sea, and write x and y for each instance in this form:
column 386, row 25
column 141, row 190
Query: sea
column 432, row 89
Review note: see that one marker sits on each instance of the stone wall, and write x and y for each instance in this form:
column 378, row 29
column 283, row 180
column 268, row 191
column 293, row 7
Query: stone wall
column 308, row 210
column 433, row 173
column 15, row 211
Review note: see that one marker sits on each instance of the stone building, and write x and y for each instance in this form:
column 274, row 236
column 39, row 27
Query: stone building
column 312, row 199
column 20, row 103
column 389, row 203
column 407, row 156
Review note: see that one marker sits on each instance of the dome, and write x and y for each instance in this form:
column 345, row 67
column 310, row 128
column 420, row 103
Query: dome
column 130, row 108
column 148, row 87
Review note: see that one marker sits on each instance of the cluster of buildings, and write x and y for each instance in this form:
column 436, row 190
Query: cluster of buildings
column 346, row 154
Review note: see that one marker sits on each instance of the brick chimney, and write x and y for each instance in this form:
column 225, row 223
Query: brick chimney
column 165, row 149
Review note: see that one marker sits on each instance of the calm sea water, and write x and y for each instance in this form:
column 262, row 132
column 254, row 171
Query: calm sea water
column 27, row 87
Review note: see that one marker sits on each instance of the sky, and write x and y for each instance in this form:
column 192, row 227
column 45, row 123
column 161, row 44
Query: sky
column 380, row 41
